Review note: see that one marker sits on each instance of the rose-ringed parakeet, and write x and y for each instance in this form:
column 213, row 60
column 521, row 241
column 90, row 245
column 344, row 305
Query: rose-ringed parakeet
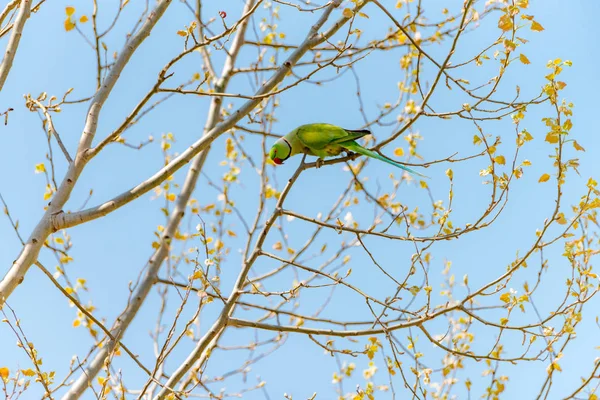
column 324, row 140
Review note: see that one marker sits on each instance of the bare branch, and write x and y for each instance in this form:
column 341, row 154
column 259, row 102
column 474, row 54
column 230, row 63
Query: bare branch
column 62, row 221
column 15, row 37
column 30, row 251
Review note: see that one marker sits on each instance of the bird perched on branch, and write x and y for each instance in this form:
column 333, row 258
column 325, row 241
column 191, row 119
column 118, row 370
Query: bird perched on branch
column 325, row 140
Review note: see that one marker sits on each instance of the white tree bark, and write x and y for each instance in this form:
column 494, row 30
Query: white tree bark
column 13, row 42
column 157, row 259
column 45, row 226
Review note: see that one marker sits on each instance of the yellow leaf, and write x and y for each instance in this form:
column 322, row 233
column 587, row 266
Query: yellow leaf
column 4, row 373
column 449, row 174
column 198, row 274
column 231, row 233
column 28, row 372
column 76, row 323
column 535, row 26
column 40, row 168
column 363, row 15
column 171, row 197
column 269, row 38
column 556, row 366
column 399, row 152
column 505, row 23
column 544, row 178
column 523, row 3
column 500, row 160
column 83, row 19
column 69, row 25
column 182, row 33
column 509, row 45
column 277, row 246
column 523, row 58
column 347, row 13
column 577, row 146
column 503, row 321
column 155, row 245
column 568, row 125
column 70, row 10
column 66, row 259
column 552, row 137
column 101, row 380
column 505, row 297
column 560, row 218
column 476, row 139
column 423, row 184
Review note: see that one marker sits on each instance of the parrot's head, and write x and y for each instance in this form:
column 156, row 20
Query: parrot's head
column 281, row 151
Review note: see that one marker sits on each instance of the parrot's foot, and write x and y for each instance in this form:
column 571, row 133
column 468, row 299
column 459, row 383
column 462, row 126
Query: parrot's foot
column 320, row 162
column 350, row 153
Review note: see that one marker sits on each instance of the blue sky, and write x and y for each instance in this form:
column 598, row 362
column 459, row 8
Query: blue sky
column 110, row 252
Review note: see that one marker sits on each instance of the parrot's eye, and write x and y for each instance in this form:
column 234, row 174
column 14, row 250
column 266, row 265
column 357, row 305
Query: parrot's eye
column 277, row 161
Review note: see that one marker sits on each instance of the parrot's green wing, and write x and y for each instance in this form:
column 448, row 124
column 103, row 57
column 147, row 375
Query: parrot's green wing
column 317, row 136
column 352, row 135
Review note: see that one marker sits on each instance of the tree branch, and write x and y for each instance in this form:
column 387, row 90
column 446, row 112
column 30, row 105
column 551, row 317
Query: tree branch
column 62, row 220
column 30, row 251
column 159, row 256
column 13, row 42
column 199, row 354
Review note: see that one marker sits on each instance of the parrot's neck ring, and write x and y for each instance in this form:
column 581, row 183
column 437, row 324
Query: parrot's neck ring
column 290, row 146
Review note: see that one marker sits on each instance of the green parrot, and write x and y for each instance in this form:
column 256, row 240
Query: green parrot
column 324, row 140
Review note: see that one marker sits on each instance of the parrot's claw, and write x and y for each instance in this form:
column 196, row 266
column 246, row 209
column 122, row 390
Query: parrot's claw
column 319, row 162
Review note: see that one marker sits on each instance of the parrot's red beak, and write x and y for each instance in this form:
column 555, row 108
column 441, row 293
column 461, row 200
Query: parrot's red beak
column 277, row 161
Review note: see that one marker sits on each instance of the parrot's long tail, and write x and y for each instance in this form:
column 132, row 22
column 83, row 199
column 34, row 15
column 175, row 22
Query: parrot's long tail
column 355, row 147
